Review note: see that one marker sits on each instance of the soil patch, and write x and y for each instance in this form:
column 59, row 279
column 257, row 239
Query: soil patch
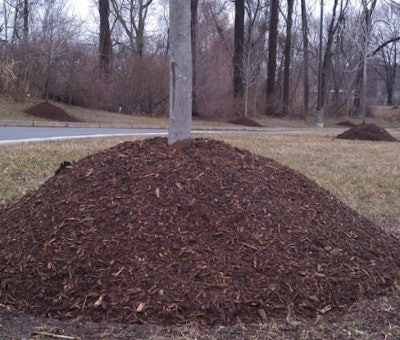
column 370, row 132
column 143, row 233
column 245, row 121
column 50, row 111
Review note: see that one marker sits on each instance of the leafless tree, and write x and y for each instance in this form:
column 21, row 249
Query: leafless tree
column 363, row 40
column 238, row 49
column 272, row 58
column 387, row 37
column 105, row 48
column 132, row 16
column 288, row 52
column 180, row 111
column 306, row 56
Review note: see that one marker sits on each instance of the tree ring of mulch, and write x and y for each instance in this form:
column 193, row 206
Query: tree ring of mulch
column 145, row 233
column 370, row 132
column 50, row 111
column 245, row 121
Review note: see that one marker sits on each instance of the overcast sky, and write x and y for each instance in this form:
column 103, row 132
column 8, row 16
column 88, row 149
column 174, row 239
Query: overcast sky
column 81, row 7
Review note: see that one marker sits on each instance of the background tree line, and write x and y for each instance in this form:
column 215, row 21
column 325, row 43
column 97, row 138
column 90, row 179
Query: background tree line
column 249, row 56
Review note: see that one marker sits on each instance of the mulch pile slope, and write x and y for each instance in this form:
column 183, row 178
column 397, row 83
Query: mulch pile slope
column 50, row 111
column 245, row 121
column 371, row 132
column 210, row 234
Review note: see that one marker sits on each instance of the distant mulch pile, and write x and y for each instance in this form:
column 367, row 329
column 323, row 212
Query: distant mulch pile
column 245, row 121
column 370, row 132
column 50, row 111
column 346, row 123
column 141, row 233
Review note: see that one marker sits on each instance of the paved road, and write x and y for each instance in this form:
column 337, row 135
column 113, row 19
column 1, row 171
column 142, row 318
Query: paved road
column 12, row 134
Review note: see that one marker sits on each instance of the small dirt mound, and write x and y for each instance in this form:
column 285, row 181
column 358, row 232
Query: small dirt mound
column 346, row 123
column 50, row 111
column 245, row 121
column 369, row 132
column 211, row 234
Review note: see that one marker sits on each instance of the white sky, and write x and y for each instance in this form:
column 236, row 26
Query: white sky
column 81, row 7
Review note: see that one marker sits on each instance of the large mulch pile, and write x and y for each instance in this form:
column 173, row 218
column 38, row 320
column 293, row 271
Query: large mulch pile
column 371, row 132
column 210, row 234
column 245, row 121
column 50, row 111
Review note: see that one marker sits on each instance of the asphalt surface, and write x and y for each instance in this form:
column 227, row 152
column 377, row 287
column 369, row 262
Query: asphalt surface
column 12, row 134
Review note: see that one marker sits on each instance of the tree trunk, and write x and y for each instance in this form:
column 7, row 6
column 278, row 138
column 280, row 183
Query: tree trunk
column 180, row 102
column 328, row 52
column 26, row 20
column 360, row 99
column 306, row 64
column 194, row 21
column 105, row 48
column 288, row 52
column 272, row 53
column 392, row 80
column 238, row 49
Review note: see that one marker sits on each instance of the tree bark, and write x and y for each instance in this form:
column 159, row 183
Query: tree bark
column 288, row 53
column 238, row 49
column 306, row 64
column 360, row 97
column 194, row 21
column 180, row 105
column 105, row 48
column 272, row 53
column 26, row 20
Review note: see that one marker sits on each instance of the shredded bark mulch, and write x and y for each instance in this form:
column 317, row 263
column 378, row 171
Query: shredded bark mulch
column 143, row 233
column 371, row 132
column 50, row 111
column 245, row 121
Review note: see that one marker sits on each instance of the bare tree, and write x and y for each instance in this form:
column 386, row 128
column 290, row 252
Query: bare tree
column 180, row 109
column 105, row 48
column 51, row 41
column 250, row 70
column 132, row 16
column 272, row 55
column 387, row 35
column 238, row 49
column 288, row 52
column 368, row 7
column 337, row 19
column 306, row 63
column 26, row 20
